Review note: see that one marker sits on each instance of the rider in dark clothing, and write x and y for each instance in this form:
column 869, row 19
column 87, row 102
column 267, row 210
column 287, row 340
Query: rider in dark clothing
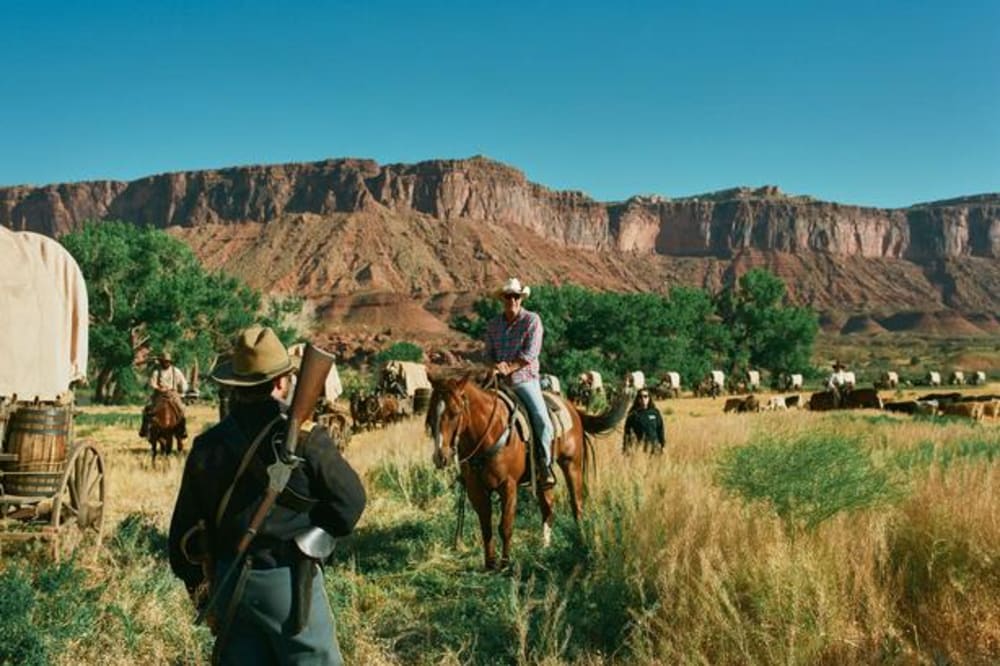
column 644, row 425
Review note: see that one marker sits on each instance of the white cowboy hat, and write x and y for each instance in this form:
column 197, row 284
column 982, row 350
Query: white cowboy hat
column 258, row 356
column 513, row 286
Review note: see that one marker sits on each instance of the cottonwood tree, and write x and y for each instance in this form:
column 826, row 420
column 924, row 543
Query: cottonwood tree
column 148, row 292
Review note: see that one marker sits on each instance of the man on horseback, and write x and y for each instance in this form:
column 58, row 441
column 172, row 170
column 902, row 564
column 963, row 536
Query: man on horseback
column 168, row 380
column 838, row 383
column 513, row 344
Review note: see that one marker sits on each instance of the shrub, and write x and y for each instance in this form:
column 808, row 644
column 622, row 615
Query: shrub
column 806, row 480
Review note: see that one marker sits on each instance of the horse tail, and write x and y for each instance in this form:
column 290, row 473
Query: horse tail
column 601, row 424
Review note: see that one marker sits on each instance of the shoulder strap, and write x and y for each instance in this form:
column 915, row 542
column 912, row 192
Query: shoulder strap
column 247, row 457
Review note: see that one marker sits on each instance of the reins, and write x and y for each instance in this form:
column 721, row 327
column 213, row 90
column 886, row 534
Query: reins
column 492, row 383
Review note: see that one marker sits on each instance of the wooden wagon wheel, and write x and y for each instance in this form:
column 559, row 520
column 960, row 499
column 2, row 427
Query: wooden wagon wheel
column 78, row 509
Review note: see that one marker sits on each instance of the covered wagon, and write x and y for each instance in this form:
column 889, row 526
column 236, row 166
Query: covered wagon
column 52, row 485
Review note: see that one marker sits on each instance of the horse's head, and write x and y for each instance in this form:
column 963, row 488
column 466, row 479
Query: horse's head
column 447, row 417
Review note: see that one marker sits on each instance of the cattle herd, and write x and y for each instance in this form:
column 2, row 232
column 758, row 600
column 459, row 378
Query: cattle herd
column 714, row 384
column 403, row 390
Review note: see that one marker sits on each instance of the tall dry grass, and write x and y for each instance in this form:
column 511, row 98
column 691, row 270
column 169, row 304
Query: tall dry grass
column 668, row 566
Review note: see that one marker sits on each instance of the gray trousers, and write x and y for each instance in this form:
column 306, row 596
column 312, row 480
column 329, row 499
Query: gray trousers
column 260, row 632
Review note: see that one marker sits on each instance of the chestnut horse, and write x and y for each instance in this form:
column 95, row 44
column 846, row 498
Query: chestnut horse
column 164, row 425
column 474, row 425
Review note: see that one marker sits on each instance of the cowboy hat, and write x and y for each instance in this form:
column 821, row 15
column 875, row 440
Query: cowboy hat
column 258, row 356
column 837, row 365
column 165, row 356
column 513, row 286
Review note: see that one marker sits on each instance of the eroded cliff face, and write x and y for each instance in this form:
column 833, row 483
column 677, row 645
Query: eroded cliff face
column 719, row 224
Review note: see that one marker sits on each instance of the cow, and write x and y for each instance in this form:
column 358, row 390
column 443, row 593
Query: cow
column 775, row 403
column 747, row 404
column 793, row 401
column 979, row 379
column 971, row 410
column 903, row 407
column 991, row 409
column 888, row 380
column 822, row 401
column 957, row 377
column 862, row 398
column 854, row 399
column 732, row 405
column 933, row 378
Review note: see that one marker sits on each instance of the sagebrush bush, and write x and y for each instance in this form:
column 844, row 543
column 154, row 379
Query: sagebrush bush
column 808, row 479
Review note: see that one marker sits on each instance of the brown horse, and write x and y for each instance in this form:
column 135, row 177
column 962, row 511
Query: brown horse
column 474, row 425
column 164, row 425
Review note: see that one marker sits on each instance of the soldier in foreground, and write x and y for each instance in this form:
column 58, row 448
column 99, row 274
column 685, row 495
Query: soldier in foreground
column 246, row 518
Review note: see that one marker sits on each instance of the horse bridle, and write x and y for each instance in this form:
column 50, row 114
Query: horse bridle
column 492, row 383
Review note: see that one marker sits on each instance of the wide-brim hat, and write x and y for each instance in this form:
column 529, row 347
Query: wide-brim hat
column 513, row 286
column 258, row 356
column 165, row 356
column 837, row 365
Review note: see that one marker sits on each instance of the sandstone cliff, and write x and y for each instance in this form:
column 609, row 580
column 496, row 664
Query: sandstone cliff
column 423, row 231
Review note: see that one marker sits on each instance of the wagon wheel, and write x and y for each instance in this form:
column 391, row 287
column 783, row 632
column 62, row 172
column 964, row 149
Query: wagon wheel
column 78, row 509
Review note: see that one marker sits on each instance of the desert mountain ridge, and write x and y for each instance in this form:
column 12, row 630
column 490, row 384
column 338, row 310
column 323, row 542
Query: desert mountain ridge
column 406, row 246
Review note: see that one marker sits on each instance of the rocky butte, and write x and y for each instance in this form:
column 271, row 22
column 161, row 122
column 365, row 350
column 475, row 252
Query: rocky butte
column 407, row 245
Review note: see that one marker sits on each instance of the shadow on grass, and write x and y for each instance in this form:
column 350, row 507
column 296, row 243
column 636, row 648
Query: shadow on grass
column 391, row 548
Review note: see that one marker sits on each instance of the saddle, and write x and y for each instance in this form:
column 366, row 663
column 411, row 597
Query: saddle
column 559, row 415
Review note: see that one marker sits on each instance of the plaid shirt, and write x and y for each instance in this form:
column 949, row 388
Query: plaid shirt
column 521, row 339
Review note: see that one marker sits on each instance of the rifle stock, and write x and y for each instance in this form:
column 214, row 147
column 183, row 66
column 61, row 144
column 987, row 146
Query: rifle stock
column 316, row 365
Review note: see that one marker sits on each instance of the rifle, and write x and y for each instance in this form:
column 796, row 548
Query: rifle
column 316, row 365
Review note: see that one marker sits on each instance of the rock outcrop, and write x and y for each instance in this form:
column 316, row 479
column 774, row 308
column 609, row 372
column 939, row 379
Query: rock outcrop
column 356, row 237
column 718, row 224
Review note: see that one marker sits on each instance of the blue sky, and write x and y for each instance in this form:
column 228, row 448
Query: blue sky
column 875, row 103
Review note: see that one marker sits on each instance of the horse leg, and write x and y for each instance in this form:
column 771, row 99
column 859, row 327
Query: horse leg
column 574, row 481
column 508, row 502
column 546, row 502
column 480, row 498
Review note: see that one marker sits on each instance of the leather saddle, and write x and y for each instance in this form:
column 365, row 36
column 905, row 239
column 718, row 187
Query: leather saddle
column 558, row 414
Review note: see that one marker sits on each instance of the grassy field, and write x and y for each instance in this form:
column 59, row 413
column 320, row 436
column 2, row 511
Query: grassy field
column 791, row 538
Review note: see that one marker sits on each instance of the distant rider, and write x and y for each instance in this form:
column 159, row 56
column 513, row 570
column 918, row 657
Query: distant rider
column 170, row 381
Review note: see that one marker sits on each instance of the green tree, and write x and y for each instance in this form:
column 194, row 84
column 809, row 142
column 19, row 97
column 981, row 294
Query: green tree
column 399, row 351
column 148, row 292
column 763, row 330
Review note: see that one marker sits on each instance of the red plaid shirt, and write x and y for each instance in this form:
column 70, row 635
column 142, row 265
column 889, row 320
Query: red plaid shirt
column 520, row 339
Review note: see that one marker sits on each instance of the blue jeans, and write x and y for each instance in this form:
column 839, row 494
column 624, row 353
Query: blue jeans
column 530, row 393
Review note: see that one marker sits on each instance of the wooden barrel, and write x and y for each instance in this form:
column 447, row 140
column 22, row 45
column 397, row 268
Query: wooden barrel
column 421, row 400
column 38, row 436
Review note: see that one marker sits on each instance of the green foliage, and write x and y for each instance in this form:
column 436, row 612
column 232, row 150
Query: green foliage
column 806, row 480
column 763, row 332
column 925, row 454
column 417, row 485
column 147, row 290
column 400, row 351
column 41, row 613
column 689, row 331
